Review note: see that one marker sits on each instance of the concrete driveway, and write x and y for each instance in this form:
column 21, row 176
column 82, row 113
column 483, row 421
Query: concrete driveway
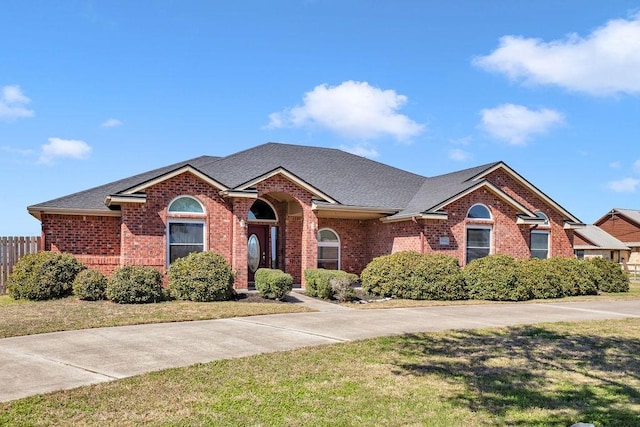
column 48, row 362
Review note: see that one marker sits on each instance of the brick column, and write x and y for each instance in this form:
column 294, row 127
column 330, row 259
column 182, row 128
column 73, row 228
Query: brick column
column 241, row 207
column 309, row 256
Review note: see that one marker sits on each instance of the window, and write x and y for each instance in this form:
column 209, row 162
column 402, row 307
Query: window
column 328, row 249
column 543, row 216
column 186, row 204
column 478, row 242
column 261, row 211
column 479, row 212
column 184, row 237
column 539, row 244
column 478, row 236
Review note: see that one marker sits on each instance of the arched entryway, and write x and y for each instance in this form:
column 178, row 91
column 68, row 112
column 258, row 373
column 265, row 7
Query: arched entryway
column 262, row 237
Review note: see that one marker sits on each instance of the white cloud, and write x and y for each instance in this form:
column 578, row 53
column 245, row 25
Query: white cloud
column 58, row 147
column 13, row 150
column 111, row 123
column 615, row 165
column 636, row 166
column 459, row 155
column 605, row 62
column 625, row 185
column 352, row 109
column 12, row 103
column 361, row 150
column 516, row 124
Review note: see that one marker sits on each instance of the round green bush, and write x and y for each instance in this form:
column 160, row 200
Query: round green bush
column 494, row 278
column 411, row 275
column 43, row 275
column 90, row 285
column 318, row 281
column 201, row 276
column 611, row 278
column 273, row 283
column 135, row 284
column 535, row 276
column 576, row 277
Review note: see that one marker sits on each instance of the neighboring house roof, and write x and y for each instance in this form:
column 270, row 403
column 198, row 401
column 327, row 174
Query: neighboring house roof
column 631, row 214
column 599, row 239
column 337, row 180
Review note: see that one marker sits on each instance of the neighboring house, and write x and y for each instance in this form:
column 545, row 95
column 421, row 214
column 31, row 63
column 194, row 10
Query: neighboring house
column 624, row 225
column 297, row 207
column 592, row 241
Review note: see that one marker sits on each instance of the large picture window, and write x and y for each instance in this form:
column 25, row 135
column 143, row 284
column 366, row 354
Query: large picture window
column 184, row 238
column 328, row 249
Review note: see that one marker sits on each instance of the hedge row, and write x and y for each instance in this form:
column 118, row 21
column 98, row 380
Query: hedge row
column 203, row 276
column 411, row 275
column 272, row 283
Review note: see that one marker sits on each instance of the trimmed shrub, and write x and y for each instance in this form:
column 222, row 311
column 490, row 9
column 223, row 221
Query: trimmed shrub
column 43, row 275
column 412, row 275
column 611, row 278
column 575, row 276
column 342, row 289
column 201, row 276
column 90, row 285
column 318, row 281
column 273, row 283
column 495, row 277
column 135, row 284
column 541, row 281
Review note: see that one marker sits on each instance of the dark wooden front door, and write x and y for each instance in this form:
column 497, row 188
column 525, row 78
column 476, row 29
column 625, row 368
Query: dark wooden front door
column 257, row 249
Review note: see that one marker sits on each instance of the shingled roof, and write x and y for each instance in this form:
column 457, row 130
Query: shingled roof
column 346, row 180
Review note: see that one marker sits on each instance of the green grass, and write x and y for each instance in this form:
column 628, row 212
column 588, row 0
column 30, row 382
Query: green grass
column 542, row 375
column 35, row 317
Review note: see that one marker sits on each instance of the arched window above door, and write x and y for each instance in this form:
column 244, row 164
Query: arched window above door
column 261, row 211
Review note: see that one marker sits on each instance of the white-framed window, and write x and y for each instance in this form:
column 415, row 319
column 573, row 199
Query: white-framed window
column 479, row 235
column 539, row 239
column 185, row 204
column 263, row 211
column 328, row 249
column 185, row 235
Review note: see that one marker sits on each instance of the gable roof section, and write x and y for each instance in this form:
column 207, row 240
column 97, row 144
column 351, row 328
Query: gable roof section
column 599, row 239
column 631, row 214
column 92, row 201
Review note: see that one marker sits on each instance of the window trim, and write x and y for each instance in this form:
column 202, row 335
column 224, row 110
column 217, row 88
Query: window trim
column 466, row 239
column 337, row 244
column 264, row 221
column 536, row 231
column 184, row 221
column 480, row 219
column 185, row 196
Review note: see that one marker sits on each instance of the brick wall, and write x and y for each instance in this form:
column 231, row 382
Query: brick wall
column 94, row 240
column 621, row 228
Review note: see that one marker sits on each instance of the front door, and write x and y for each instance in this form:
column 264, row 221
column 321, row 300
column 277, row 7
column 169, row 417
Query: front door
column 257, row 249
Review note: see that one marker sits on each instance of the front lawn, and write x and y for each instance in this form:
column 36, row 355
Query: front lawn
column 543, row 375
column 35, row 317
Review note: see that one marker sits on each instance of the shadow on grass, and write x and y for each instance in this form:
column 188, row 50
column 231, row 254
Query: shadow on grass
column 547, row 377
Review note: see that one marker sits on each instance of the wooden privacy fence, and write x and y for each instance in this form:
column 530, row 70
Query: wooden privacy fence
column 11, row 250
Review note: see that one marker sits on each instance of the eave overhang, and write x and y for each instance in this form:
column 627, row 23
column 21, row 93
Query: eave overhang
column 115, row 199
column 37, row 212
column 527, row 220
column 245, row 194
column 571, row 225
column 440, row 216
column 331, row 210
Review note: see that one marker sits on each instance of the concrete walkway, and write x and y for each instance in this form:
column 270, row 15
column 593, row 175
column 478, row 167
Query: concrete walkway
column 62, row 360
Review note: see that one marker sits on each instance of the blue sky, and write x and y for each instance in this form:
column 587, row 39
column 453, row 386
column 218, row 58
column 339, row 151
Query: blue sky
column 94, row 91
